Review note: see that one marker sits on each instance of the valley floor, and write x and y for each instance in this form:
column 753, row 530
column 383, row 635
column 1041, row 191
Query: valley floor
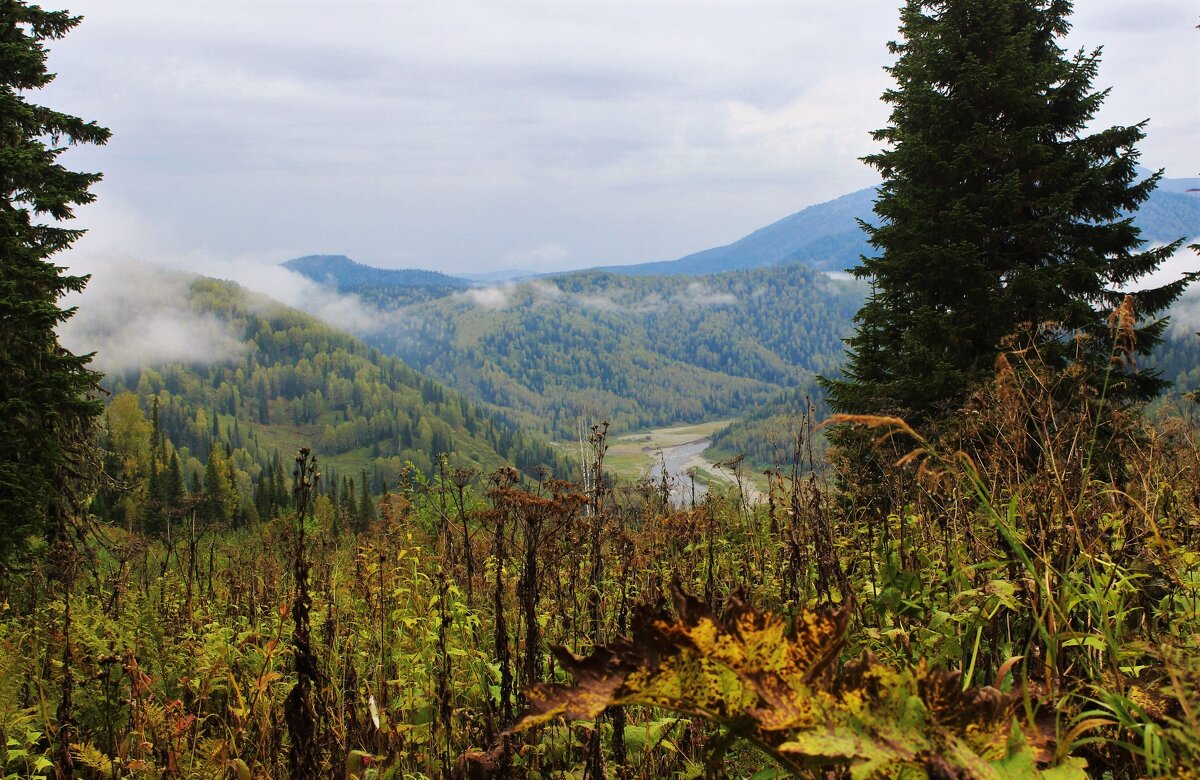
column 680, row 449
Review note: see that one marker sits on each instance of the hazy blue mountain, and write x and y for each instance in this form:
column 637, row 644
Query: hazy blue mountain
column 1171, row 214
column 827, row 236
column 343, row 273
column 505, row 275
column 1180, row 185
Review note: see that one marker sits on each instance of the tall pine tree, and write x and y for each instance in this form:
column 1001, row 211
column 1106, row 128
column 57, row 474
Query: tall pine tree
column 996, row 209
column 47, row 414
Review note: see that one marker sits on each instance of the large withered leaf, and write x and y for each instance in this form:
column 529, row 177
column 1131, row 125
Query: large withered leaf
column 978, row 716
column 775, row 665
column 658, row 666
column 777, row 685
column 743, row 664
column 761, row 643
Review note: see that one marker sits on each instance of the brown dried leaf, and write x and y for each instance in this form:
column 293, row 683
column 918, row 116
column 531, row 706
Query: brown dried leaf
column 777, row 685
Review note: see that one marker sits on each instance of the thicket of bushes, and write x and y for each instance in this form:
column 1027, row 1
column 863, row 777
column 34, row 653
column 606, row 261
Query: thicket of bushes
column 1041, row 543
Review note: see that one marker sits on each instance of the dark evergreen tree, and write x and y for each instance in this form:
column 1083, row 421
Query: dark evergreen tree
column 280, row 493
column 262, row 496
column 154, row 504
column 237, row 508
column 218, row 503
column 47, row 413
column 366, row 507
column 996, row 210
column 350, row 505
column 173, row 485
column 109, row 491
column 157, row 438
column 264, row 407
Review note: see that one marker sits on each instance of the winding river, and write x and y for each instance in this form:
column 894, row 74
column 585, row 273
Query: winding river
column 681, row 459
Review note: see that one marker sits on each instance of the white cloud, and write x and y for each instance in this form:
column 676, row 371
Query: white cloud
column 134, row 314
column 698, row 294
column 503, row 296
column 543, row 289
column 597, row 302
column 490, row 297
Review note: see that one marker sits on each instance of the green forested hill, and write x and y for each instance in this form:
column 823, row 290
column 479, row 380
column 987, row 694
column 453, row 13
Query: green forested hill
column 298, row 383
column 769, row 435
column 766, row 435
column 644, row 352
column 637, row 351
column 1177, row 358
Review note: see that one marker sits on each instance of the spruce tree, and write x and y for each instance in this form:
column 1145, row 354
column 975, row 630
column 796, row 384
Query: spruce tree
column 154, row 505
column 173, row 486
column 350, row 505
column 997, row 209
column 366, row 507
column 220, row 502
column 47, row 411
column 280, row 495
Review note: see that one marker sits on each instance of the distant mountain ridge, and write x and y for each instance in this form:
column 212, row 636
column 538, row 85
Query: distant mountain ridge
column 1179, row 185
column 827, row 236
column 504, row 275
column 346, row 274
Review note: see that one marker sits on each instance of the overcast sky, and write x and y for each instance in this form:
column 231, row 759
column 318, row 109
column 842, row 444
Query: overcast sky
column 473, row 136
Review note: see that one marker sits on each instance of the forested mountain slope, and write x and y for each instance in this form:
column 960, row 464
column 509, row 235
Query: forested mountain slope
column 782, row 432
column 1177, row 358
column 635, row 351
column 766, row 436
column 296, row 382
column 642, row 350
